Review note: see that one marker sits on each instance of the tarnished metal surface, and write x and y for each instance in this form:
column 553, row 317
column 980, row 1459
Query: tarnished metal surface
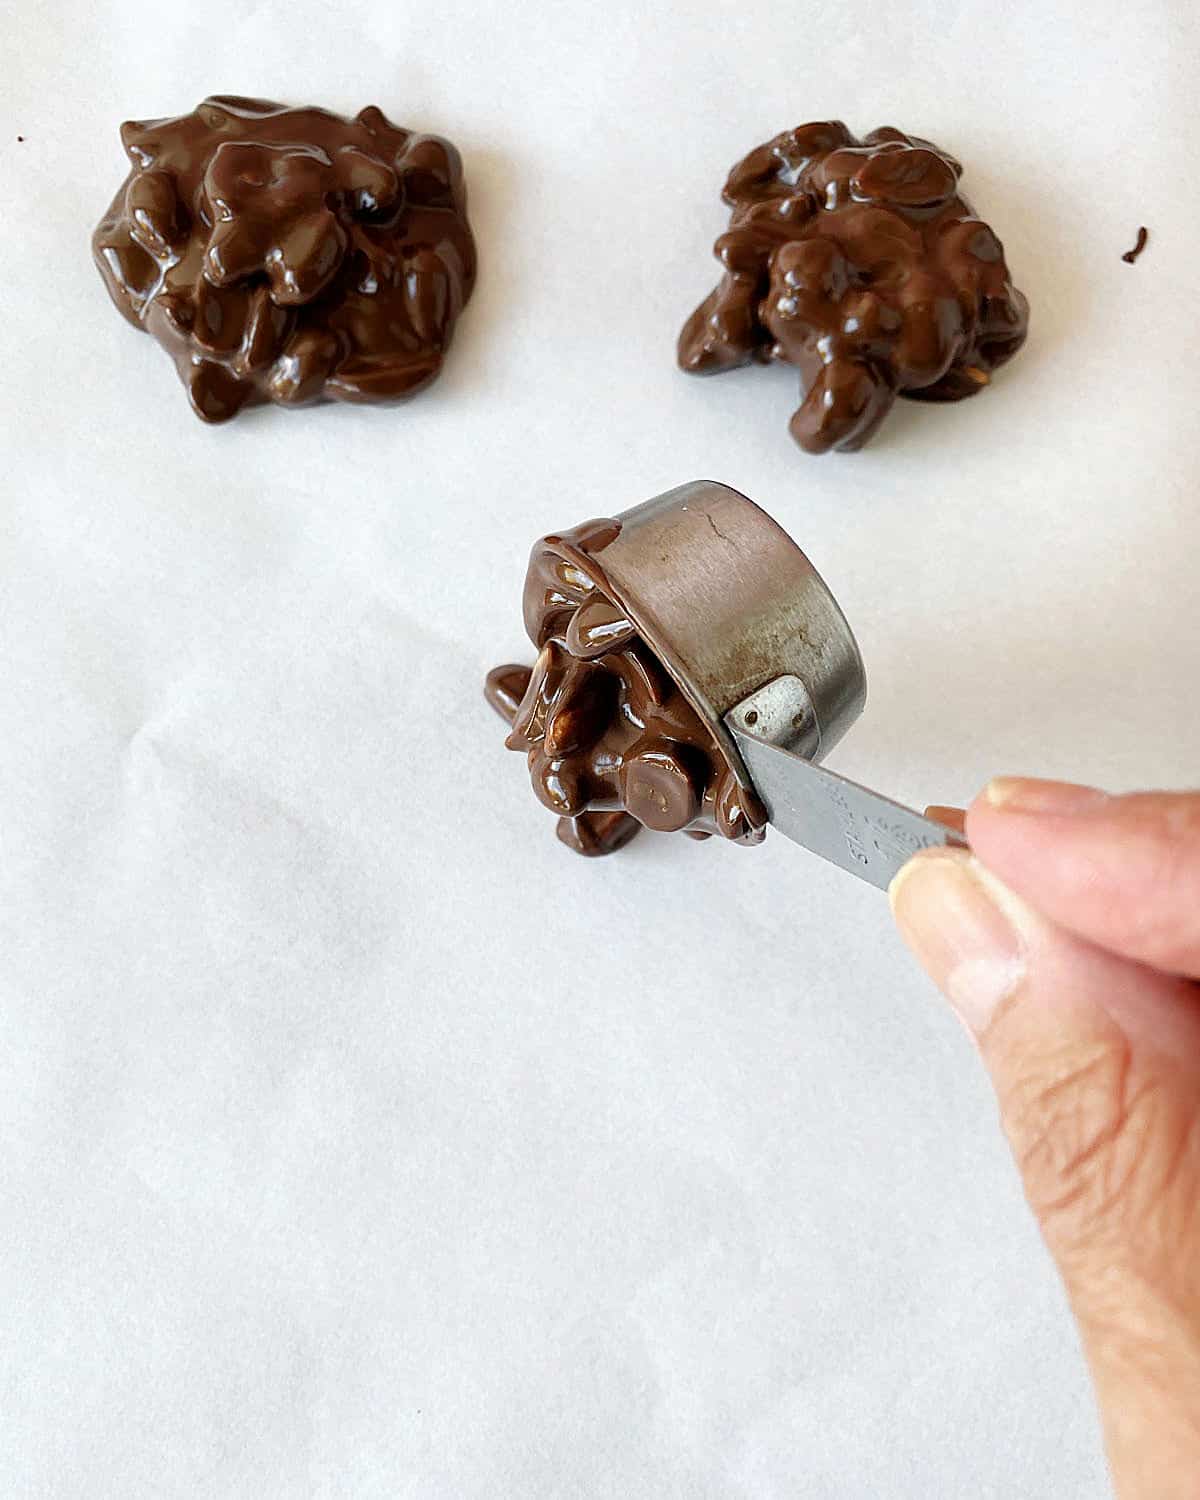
column 729, row 602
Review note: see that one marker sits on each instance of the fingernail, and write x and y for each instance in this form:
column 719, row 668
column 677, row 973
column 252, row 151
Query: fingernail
column 952, row 817
column 1026, row 794
column 963, row 927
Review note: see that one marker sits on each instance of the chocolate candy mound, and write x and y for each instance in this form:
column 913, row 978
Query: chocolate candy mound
column 860, row 263
column 289, row 255
column 612, row 743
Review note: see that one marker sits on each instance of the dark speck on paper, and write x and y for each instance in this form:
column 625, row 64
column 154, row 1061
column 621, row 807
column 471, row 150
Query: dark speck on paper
column 1130, row 256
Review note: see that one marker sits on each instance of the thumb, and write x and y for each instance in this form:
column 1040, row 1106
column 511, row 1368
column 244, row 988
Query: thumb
column 1104, row 1124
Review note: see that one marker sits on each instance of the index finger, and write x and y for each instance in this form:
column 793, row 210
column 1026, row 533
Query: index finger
column 1121, row 871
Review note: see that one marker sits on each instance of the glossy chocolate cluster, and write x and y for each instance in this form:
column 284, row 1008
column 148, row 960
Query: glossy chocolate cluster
column 289, row 255
column 612, row 743
column 860, row 263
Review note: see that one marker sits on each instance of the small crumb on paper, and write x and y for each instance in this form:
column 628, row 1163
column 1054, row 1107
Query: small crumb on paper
column 1130, row 256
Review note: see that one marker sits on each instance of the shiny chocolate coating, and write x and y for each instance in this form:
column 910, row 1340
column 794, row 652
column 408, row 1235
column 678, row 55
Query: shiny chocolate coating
column 612, row 743
column 289, row 255
column 860, row 263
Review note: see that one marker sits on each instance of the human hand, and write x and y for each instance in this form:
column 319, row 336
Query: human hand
column 1068, row 941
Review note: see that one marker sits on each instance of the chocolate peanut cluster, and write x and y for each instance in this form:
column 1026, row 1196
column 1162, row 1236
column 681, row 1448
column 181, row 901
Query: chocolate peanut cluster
column 612, row 743
column 289, row 255
column 860, row 263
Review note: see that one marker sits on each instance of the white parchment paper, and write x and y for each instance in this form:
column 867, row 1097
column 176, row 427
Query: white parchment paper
column 358, row 1140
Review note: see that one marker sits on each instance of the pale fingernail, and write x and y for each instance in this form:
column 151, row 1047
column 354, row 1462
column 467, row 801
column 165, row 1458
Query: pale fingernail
column 1027, row 794
column 963, row 927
